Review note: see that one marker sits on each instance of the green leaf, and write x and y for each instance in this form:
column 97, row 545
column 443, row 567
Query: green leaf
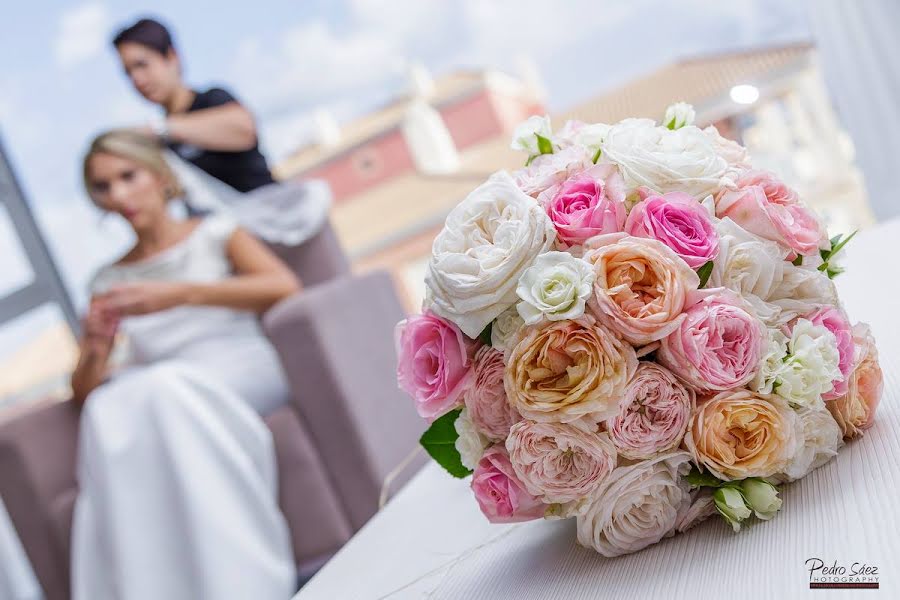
column 440, row 442
column 697, row 479
column 704, row 272
column 485, row 336
column 597, row 155
column 799, row 260
column 544, row 145
column 837, row 244
column 671, row 124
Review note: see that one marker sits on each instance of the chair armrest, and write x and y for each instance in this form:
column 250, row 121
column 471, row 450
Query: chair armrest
column 37, row 468
column 336, row 345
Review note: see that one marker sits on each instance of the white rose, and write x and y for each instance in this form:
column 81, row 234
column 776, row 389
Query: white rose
column 664, row 160
column 488, row 240
column 811, row 366
column 505, row 329
column 557, row 286
column 802, row 289
column 679, row 115
column 636, row 506
column 702, row 507
column 591, row 137
column 821, row 437
column 470, row 444
column 731, row 151
column 749, row 265
column 526, row 132
column 772, row 362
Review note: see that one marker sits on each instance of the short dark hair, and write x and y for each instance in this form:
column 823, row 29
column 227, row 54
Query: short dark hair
column 146, row 32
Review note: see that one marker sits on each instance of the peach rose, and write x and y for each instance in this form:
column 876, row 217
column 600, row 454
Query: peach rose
column 855, row 410
column 561, row 371
column 739, row 434
column 641, row 286
column 486, row 398
column 558, row 462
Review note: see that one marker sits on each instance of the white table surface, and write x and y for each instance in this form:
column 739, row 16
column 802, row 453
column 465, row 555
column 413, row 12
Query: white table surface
column 432, row 541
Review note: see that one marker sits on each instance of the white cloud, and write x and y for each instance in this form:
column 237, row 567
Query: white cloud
column 82, row 34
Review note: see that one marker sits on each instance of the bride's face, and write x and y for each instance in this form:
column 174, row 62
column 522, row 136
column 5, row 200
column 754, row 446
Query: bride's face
column 122, row 186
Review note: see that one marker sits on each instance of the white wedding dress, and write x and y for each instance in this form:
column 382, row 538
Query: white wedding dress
column 176, row 469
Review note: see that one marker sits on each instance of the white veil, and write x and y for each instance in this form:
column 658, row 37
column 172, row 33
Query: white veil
column 286, row 213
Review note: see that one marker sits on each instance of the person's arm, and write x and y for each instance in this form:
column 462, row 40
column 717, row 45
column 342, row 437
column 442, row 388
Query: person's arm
column 260, row 281
column 229, row 127
column 95, row 347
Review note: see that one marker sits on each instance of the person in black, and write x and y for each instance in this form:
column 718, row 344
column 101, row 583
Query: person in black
column 210, row 129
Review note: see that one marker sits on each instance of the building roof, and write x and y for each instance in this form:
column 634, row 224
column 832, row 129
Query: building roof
column 371, row 222
column 447, row 88
column 700, row 81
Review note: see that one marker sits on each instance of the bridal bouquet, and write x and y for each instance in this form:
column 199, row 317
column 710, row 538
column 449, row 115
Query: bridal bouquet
column 638, row 330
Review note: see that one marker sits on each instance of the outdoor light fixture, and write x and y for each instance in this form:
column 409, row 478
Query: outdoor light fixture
column 744, row 93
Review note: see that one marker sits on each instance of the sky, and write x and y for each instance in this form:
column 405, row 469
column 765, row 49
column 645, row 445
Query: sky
column 60, row 82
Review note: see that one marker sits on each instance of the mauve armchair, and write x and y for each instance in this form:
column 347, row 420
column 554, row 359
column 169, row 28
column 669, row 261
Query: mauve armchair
column 346, row 428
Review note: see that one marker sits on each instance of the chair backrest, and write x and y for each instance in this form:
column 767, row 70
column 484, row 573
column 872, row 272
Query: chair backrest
column 319, row 259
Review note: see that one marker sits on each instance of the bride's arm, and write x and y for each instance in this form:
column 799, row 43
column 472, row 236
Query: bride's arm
column 260, row 279
column 95, row 348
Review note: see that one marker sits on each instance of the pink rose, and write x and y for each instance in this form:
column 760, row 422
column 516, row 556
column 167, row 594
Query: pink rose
column 653, row 413
column 765, row 206
column 587, row 204
column 855, row 410
column 500, row 495
column 834, row 320
column 547, row 170
column 559, row 462
column 718, row 346
column 486, row 399
column 678, row 221
column 433, row 363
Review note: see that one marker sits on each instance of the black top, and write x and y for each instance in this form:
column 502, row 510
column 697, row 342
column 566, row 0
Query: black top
column 244, row 171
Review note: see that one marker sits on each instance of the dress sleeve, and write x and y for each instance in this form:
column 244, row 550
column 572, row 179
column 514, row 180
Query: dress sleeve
column 218, row 229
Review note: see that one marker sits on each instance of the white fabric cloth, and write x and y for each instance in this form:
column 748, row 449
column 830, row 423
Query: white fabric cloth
column 176, row 470
column 287, row 213
column 17, row 579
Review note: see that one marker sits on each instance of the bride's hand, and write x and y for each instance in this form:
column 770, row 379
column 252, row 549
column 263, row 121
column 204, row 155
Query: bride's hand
column 145, row 297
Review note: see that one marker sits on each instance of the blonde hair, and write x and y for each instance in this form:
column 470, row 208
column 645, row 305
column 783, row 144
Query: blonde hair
column 137, row 147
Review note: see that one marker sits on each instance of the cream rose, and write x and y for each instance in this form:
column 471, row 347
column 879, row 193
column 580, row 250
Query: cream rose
column 739, row 434
column 641, row 286
column 525, row 134
column 819, row 439
column 637, row 505
column 562, row 371
column 811, row 365
column 506, row 328
column 469, row 442
column 555, row 287
column 558, row 462
column 488, row 240
column 681, row 160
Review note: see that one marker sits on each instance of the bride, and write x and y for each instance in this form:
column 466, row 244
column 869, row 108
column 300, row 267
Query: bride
column 176, row 470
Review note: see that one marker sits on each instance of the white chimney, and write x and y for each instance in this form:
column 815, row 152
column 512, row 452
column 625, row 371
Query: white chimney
column 429, row 140
column 327, row 130
column 420, row 81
